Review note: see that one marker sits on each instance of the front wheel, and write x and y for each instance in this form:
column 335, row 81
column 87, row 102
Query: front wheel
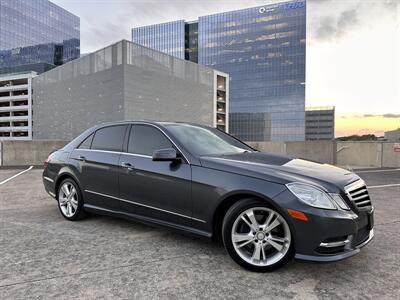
column 256, row 236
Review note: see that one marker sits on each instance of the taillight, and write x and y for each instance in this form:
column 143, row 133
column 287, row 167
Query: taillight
column 46, row 163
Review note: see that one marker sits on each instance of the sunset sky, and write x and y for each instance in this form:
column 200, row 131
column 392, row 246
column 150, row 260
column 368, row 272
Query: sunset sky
column 353, row 49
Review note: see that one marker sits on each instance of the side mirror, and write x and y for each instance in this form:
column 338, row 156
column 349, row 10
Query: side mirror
column 166, row 155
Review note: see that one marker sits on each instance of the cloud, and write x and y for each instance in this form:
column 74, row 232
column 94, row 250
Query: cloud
column 394, row 116
column 326, row 28
column 356, row 116
column 391, row 4
column 391, row 115
column 331, row 27
column 95, row 37
column 318, row 1
column 330, row 20
column 347, row 19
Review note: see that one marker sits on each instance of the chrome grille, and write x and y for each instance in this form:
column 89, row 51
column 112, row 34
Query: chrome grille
column 358, row 194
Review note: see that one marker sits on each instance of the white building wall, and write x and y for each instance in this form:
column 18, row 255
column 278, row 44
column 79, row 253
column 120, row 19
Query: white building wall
column 16, row 106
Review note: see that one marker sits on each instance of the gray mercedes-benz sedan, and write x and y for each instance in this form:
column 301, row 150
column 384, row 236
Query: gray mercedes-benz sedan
column 197, row 179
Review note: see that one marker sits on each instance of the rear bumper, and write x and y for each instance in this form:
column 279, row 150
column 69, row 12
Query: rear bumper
column 49, row 186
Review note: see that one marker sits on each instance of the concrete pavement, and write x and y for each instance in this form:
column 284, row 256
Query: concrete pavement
column 43, row 256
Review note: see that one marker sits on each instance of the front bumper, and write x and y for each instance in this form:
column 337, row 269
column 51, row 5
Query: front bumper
column 328, row 235
column 335, row 257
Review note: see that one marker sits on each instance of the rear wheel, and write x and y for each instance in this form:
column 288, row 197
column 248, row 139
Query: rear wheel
column 256, row 236
column 70, row 200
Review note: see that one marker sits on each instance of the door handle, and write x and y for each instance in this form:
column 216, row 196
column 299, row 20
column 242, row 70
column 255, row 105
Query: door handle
column 81, row 158
column 127, row 165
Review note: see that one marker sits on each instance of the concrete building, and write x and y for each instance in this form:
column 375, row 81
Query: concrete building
column 263, row 50
column 320, row 123
column 126, row 81
column 393, row 135
column 16, row 106
column 36, row 35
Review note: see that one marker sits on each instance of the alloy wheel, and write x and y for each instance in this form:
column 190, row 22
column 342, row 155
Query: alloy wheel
column 68, row 199
column 261, row 236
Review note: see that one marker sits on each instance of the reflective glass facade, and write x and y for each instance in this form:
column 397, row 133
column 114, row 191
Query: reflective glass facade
column 192, row 41
column 166, row 37
column 263, row 49
column 37, row 31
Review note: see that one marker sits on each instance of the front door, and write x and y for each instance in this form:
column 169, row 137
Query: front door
column 155, row 189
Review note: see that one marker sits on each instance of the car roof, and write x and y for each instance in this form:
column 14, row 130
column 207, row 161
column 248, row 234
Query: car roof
column 162, row 123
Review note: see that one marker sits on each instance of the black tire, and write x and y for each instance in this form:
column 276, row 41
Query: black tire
column 79, row 212
column 229, row 220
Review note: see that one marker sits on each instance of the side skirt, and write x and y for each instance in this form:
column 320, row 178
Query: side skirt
column 146, row 220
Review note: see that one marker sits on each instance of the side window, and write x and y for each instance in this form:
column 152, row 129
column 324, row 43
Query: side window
column 87, row 142
column 109, row 138
column 146, row 139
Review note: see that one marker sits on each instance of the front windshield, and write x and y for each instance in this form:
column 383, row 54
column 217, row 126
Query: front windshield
column 206, row 141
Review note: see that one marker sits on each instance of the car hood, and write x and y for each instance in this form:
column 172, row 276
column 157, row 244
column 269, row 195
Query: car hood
column 281, row 169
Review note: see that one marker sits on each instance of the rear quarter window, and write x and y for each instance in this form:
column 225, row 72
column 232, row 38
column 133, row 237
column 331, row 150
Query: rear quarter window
column 87, row 142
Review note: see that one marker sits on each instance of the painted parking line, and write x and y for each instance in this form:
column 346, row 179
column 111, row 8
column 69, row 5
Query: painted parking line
column 384, row 185
column 16, row 175
column 377, row 171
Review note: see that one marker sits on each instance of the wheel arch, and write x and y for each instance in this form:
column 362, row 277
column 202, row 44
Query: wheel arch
column 62, row 176
column 230, row 200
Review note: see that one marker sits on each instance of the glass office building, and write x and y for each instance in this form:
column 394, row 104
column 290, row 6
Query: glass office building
column 263, row 49
column 167, row 37
column 37, row 32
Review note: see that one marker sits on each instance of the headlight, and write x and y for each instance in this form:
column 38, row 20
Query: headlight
column 311, row 195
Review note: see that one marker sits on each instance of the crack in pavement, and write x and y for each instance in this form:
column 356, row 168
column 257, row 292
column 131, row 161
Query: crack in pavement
column 152, row 232
column 90, row 272
column 305, row 289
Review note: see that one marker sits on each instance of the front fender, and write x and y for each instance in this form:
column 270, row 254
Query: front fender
column 211, row 188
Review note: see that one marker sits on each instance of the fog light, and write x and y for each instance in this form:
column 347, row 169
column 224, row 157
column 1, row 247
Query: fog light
column 335, row 242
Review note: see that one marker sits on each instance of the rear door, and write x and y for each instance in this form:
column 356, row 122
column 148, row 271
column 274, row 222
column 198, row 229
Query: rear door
column 98, row 159
column 157, row 189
